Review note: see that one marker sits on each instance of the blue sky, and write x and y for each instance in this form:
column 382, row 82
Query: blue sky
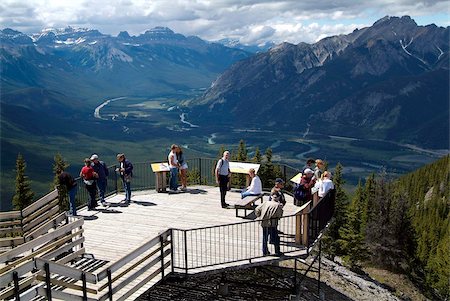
column 250, row 21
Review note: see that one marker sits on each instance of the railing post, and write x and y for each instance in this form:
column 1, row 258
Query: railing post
column 16, row 285
column 172, row 255
column 295, row 276
column 185, row 253
column 83, row 278
column 320, row 259
column 200, row 171
column 115, row 179
column 110, row 291
column 161, row 242
column 47, row 281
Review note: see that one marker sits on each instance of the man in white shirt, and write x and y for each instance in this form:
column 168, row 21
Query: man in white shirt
column 255, row 187
column 223, row 175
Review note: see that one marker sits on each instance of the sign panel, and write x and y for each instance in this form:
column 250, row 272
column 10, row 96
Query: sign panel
column 240, row 167
column 158, row 167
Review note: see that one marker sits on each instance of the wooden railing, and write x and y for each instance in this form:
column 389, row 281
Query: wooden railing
column 61, row 245
column 52, row 279
column 18, row 227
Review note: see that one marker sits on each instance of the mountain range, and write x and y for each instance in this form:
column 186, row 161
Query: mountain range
column 388, row 81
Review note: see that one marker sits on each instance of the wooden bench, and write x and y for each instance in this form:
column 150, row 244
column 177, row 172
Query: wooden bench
column 248, row 203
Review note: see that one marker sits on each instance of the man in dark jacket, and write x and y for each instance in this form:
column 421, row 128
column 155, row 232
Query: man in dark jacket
column 126, row 173
column 102, row 171
column 69, row 186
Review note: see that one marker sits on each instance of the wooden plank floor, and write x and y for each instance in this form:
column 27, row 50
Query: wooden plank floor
column 116, row 230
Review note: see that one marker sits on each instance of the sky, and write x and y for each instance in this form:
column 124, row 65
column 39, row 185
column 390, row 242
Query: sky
column 250, row 21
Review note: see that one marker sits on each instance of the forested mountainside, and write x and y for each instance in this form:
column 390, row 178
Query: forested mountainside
column 402, row 225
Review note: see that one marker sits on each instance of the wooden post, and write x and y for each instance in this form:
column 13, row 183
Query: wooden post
column 110, row 291
column 83, row 279
column 172, row 256
column 16, row 285
column 47, row 281
column 305, row 218
column 161, row 242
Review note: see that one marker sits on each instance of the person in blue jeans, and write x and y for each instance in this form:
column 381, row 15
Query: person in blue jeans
column 67, row 182
column 126, row 173
column 269, row 213
column 174, row 165
column 102, row 171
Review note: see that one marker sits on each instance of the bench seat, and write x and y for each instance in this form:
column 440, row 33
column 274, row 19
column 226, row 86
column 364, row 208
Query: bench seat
column 248, row 203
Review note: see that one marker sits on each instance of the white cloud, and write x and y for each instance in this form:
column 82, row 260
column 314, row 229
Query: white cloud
column 252, row 21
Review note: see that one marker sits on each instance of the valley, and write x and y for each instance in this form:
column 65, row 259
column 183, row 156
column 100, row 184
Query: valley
column 144, row 129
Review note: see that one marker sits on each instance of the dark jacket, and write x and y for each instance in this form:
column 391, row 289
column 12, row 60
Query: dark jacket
column 128, row 168
column 101, row 169
column 65, row 179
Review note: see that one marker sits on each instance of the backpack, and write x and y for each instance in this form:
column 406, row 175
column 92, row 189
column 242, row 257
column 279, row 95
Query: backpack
column 299, row 192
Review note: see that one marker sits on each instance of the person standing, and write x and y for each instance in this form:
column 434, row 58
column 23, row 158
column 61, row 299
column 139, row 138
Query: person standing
column 255, row 187
column 269, row 214
column 309, row 164
column 276, row 194
column 102, row 171
column 302, row 191
column 126, row 173
column 65, row 179
column 89, row 176
column 325, row 184
column 183, row 168
column 223, row 175
column 173, row 165
column 318, row 170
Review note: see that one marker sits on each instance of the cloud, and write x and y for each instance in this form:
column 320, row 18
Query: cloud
column 251, row 21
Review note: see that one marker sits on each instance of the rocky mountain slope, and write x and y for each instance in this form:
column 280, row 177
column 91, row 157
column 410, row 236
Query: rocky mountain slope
column 376, row 82
column 84, row 62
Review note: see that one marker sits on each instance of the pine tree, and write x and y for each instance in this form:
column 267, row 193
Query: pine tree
column 23, row 194
column 330, row 241
column 351, row 241
column 258, row 157
column 242, row 152
column 60, row 165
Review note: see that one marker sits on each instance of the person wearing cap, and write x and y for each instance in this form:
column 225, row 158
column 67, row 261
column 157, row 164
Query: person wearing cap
column 126, row 173
column 102, row 171
column 302, row 192
column 269, row 214
column 223, row 175
column 276, row 194
column 88, row 175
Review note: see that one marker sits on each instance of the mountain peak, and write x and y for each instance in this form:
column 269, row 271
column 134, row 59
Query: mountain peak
column 388, row 20
column 159, row 30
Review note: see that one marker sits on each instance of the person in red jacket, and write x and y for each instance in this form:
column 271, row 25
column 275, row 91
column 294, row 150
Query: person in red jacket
column 88, row 175
column 302, row 192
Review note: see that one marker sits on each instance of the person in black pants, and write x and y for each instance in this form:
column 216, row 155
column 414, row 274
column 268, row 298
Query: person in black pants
column 223, row 175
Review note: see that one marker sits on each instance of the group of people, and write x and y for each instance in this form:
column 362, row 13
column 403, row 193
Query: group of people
column 314, row 179
column 95, row 174
column 177, row 164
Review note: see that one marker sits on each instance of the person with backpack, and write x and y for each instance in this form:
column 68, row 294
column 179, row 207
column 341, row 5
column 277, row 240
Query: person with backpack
column 302, row 191
column 223, row 175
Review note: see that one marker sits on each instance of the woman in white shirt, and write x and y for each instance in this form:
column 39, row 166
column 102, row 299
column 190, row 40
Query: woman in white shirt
column 255, row 187
column 325, row 184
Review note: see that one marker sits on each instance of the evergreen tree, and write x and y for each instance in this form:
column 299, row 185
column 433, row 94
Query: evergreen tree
column 23, row 194
column 268, row 172
column 258, row 157
column 242, row 152
column 330, row 241
column 351, row 240
column 60, row 165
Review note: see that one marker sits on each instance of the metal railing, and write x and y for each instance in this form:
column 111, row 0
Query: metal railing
column 217, row 245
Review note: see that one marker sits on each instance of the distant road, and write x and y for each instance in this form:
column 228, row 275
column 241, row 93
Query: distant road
column 97, row 109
